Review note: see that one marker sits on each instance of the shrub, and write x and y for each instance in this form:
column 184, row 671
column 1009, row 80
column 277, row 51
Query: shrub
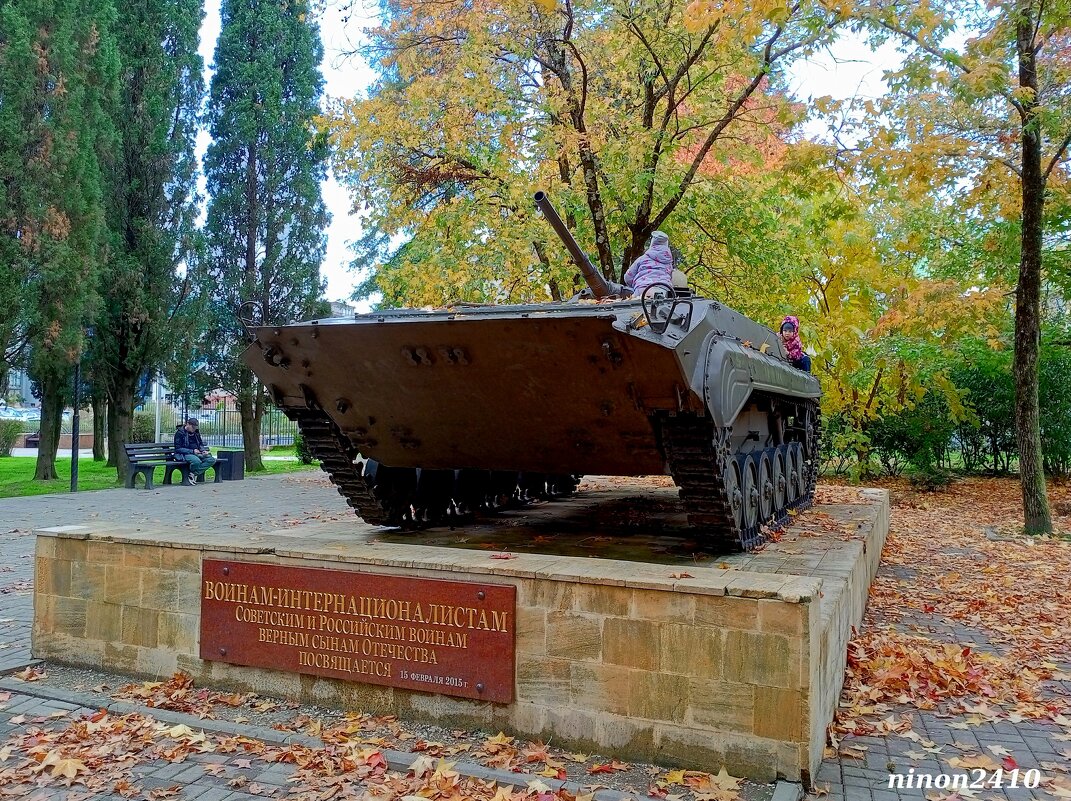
column 920, row 436
column 839, row 446
column 987, row 439
column 1055, row 398
column 988, row 442
column 9, row 433
column 930, row 479
column 143, row 429
column 304, row 453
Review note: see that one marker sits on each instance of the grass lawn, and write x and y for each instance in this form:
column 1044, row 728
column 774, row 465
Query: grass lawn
column 280, row 450
column 16, row 475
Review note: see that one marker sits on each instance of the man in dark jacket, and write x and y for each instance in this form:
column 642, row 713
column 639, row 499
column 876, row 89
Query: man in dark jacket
column 190, row 447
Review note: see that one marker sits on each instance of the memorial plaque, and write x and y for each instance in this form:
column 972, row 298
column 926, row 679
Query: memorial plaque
column 445, row 637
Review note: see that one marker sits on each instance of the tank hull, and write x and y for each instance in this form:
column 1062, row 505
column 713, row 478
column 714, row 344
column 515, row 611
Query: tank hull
column 545, row 390
column 530, row 394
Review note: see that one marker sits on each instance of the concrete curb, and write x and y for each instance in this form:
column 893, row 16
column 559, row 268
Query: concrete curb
column 396, row 760
column 16, row 668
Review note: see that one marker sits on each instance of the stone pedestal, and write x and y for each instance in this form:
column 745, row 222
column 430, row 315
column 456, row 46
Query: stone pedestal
column 737, row 662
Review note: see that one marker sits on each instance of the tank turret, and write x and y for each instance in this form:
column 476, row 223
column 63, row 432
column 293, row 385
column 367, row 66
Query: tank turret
column 428, row 417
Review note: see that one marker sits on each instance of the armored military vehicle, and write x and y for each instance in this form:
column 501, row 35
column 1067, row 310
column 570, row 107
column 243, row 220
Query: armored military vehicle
column 430, row 417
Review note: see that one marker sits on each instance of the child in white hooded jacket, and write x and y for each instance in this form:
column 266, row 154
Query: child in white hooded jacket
column 655, row 266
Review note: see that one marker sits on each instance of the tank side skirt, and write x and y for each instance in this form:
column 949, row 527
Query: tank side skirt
column 696, row 463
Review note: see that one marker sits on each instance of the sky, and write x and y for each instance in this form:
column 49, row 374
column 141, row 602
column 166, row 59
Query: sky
column 847, row 69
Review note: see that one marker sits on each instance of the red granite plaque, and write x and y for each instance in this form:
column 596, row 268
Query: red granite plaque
column 444, row 637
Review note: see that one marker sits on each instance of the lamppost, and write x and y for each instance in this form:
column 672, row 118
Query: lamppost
column 76, row 435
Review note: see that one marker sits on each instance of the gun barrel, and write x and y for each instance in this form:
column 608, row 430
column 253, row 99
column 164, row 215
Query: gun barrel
column 599, row 286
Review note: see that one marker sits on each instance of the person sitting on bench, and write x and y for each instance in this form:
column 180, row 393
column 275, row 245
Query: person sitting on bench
column 191, row 448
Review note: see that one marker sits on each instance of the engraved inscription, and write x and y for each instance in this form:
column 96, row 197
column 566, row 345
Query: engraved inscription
column 449, row 637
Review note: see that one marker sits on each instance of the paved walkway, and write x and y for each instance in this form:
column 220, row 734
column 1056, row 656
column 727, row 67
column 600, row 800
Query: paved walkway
column 252, row 505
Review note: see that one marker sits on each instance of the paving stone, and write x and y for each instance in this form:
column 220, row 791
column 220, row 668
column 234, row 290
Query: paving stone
column 190, row 773
column 829, row 771
column 171, row 771
column 236, row 795
column 885, row 795
column 878, row 760
column 276, row 774
column 860, row 781
column 1039, row 747
column 211, row 794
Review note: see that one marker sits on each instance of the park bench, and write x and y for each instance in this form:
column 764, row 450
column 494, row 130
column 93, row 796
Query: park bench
column 145, row 457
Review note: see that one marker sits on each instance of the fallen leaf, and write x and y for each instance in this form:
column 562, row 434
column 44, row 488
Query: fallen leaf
column 674, row 777
column 974, row 761
column 69, row 768
column 29, row 674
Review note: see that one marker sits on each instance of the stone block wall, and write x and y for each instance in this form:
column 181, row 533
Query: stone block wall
column 728, row 667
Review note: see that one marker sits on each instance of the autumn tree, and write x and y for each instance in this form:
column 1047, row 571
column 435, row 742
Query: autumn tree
column 153, row 203
column 620, row 110
column 986, row 125
column 266, row 218
column 879, row 325
column 58, row 67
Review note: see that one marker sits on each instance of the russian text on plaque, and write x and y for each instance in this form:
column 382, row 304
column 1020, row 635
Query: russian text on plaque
column 446, row 637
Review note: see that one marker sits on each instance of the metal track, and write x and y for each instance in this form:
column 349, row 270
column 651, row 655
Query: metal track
column 697, row 454
column 814, row 435
column 698, row 461
column 696, row 464
column 338, row 458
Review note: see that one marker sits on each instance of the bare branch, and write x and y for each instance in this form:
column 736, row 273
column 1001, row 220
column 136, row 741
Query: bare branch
column 1057, row 156
column 723, row 123
column 943, row 55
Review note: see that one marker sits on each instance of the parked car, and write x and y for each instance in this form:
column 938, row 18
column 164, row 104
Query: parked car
column 26, row 415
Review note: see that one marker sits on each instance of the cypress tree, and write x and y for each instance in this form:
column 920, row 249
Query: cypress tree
column 58, row 68
column 153, row 202
column 266, row 218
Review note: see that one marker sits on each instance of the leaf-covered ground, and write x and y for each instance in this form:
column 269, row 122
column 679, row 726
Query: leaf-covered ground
column 81, row 754
column 967, row 633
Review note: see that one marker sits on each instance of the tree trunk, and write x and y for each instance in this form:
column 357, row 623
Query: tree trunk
column 254, row 462
column 121, row 423
column 113, row 451
column 1037, row 518
column 52, row 395
column 577, row 99
column 99, row 414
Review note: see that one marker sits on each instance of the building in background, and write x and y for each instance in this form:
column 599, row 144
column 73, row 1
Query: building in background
column 19, row 392
column 340, row 309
